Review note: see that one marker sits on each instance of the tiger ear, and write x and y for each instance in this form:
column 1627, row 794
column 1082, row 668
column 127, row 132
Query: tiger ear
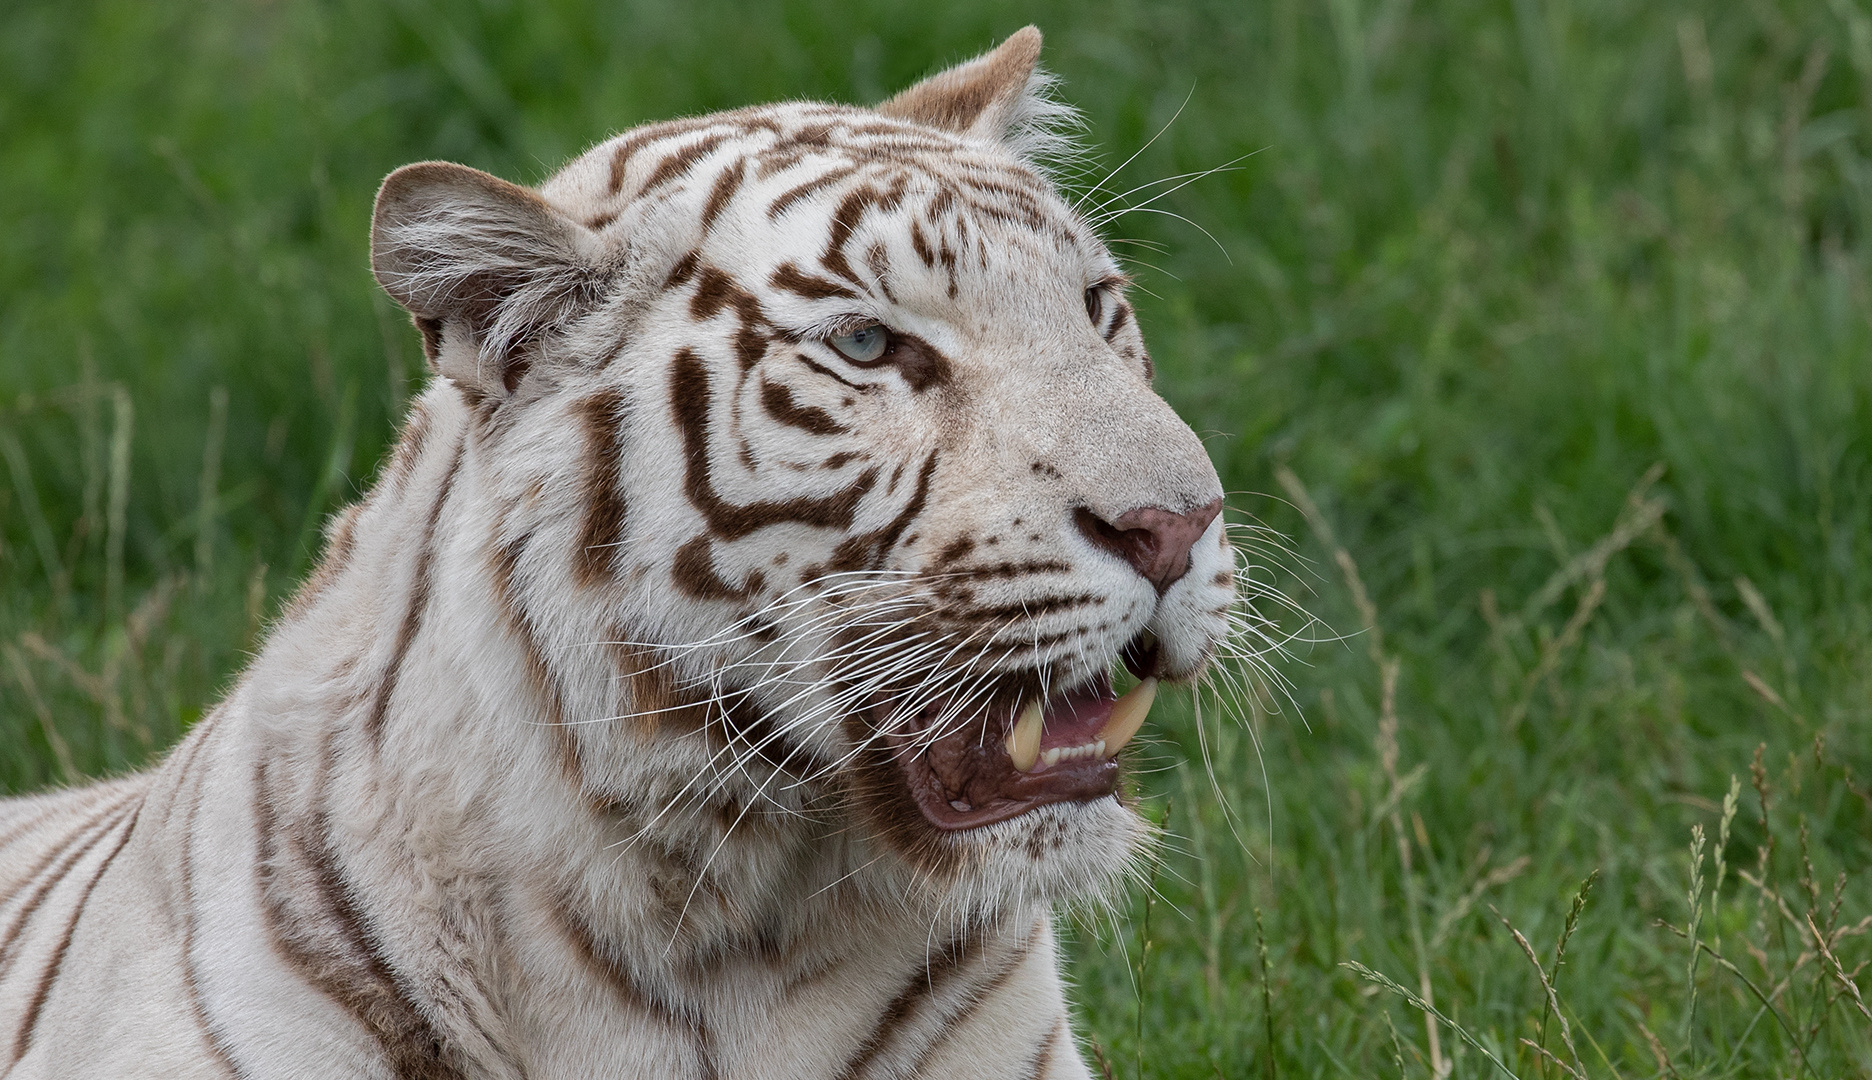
column 485, row 267
column 996, row 96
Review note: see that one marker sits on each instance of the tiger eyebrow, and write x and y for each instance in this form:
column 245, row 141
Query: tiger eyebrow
column 830, row 327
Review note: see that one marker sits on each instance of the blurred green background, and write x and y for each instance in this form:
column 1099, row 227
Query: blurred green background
column 1552, row 313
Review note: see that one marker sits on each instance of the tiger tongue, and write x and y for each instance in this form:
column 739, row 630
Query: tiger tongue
column 969, row 778
column 1078, row 726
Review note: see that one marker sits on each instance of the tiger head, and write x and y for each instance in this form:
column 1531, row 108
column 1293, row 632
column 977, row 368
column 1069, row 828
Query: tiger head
column 819, row 451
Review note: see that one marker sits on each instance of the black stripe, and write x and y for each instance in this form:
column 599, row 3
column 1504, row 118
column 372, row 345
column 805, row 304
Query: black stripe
column 29, row 1024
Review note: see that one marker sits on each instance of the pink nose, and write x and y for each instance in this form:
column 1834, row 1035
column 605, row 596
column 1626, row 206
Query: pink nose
column 1155, row 541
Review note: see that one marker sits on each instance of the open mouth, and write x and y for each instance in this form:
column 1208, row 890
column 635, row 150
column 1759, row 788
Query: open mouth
column 1012, row 759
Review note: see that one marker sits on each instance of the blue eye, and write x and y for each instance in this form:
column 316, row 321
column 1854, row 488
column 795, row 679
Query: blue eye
column 864, row 345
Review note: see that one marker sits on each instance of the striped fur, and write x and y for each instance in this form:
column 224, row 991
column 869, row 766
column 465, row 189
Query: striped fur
column 572, row 758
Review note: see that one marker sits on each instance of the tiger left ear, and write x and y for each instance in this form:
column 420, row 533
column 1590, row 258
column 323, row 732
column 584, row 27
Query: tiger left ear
column 990, row 97
column 485, row 267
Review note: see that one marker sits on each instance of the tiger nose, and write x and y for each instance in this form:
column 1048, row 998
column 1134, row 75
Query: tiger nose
column 1155, row 541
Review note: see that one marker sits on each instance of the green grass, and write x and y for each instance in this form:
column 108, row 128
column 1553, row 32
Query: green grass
column 1490, row 264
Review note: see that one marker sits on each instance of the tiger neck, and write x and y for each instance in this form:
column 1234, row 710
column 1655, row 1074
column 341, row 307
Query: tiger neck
column 510, row 747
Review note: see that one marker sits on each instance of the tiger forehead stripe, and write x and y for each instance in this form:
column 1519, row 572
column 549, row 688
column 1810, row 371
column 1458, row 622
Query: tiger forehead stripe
column 690, row 401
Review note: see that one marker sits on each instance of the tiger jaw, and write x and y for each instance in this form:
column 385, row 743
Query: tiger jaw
column 1060, row 748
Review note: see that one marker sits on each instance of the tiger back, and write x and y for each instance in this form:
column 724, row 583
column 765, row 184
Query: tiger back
column 718, row 679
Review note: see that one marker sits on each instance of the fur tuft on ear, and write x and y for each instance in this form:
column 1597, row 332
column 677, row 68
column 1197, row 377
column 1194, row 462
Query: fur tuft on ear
column 1002, row 96
column 485, row 267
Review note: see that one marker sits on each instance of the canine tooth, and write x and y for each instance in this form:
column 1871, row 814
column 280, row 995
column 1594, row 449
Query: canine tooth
column 1051, row 757
column 1127, row 716
column 1023, row 743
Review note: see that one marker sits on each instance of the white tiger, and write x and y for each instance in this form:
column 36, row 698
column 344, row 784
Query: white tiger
column 715, row 682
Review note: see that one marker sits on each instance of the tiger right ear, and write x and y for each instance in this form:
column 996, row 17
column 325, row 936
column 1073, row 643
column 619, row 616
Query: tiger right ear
column 990, row 97
column 484, row 266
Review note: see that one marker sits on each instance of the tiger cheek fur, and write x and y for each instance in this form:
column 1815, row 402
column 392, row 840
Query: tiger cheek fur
column 716, row 682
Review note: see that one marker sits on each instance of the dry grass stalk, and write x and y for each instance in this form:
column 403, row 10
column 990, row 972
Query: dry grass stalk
column 1416, row 1001
column 1694, row 588
column 1553, row 998
column 1657, row 1051
column 1546, row 1055
column 1464, row 904
column 1767, row 1000
column 1267, row 998
column 208, row 503
column 20, row 471
column 1388, row 752
column 1635, row 519
column 22, row 673
column 118, row 499
column 1694, row 898
column 1850, row 988
column 1553, row 650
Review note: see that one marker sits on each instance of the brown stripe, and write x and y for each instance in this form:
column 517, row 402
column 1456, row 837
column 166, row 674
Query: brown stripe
column 606, row 966
column 1119, row 318
column 684, row 269
column 628, row 149
column 1043, row 1057
column 20, row 829
column 540, row 676
column 678, row 164
column 851, row 210
column 921, row 245
column 777, row 401
column 937, row 972
column 690, row 398
column 693, row 571
column 409, row 447
column 185, row 872
column 753, row 729
column 867, row 550
column 50, row 870
column 317, row 927
column 819, row 183
column 418, row 603
column 339, row 543
column 1031, row 609
column 29, row 1024
column 792, row 279
column 829, row 373
column 955, row 1021
column 602, row 531
column 716, row 291
column 725, row 187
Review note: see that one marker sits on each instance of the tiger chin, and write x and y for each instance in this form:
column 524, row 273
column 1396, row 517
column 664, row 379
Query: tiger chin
column 717, row 681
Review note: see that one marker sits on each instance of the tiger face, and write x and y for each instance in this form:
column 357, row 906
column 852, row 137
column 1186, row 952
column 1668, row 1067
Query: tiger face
column 833, row 430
